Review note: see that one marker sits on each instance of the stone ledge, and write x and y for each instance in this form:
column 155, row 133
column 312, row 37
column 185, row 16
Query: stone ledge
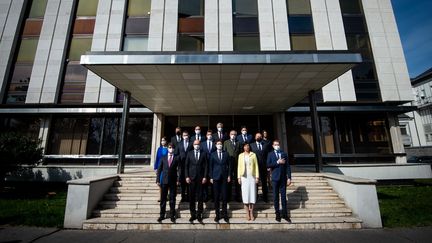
column 349, row 179
column 88, row 181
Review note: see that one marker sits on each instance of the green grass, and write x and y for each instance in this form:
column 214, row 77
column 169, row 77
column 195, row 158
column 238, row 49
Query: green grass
column 406, row 205
column 32, row 205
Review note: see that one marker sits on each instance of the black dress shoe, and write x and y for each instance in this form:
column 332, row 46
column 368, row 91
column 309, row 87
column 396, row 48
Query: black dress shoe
column 278, row 218
column 287, row 219
column 226, row 219
column 199, row 217
column 160, row 219
column 216, row 219
column 191, row 219
column 173, row 219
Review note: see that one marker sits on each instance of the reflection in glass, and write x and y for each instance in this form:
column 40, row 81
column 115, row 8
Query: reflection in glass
column 27, row 50
column 350, row 6
column 354, row 24
column 94, row 135
column 245, row 7
column 110, row 136
column 87, row 8
column 135, row 43
column 78, row 47
column 246, row 25
column 137, row 26
column 301, row 25
column 29, row 126
column 187, row 8
column 84, row 26
column 300, row 139
column 298, row 7
column 303, row 42
column 139, row 135
column 69, row 136
column 38, row 9
column 139, row 8
column 246, row 43
column 190, row 43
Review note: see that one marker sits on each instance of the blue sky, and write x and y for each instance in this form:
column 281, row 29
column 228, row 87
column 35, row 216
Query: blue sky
column 414, row 19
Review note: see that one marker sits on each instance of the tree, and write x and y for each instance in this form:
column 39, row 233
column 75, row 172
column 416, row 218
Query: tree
column 16, row 150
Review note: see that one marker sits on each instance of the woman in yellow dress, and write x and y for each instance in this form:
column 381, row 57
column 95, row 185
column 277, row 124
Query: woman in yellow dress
column 248, row 177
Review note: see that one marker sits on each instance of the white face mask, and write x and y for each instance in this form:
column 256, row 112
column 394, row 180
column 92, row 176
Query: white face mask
column 163, row 142
column 276, row 147
column 185, row 138
column 232, row 137
column 219, row 146
column 209, row 137
column 219, row 129
column 170, row 150
column 196, row 147
column 244, row 132
column 197, row 131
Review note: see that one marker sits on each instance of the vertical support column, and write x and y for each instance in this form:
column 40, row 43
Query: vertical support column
column 4, row 11
column 43, row 133
column 43, row 52
column 280, row 130
column 266, row 25
column 169, row 40
column 396, row 139
column 225, row 26
column 58, row 51
column 157, row 135
column 156, row 25
column 316, row 131
column 123, row 135
column 211, row 25
column 280, row 18
column 9, row 38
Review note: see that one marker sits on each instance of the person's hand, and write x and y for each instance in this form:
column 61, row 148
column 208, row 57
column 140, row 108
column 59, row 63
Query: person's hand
column 288, row 182
column 188, row 180
column 257, row 180
column 211, row 181
column 239, row 181
column 281, row 161
column 204, row 181
column 229, row 179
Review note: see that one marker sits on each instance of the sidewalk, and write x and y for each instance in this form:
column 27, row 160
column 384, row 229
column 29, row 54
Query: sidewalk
column 30, row 234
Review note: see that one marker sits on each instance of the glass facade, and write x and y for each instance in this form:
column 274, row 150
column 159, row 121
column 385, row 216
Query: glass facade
column 27, row 125
column 73, row 86
column 245, row 25
column 353, row 138
column 364, row 75
column 190, row 25
column 21, row 71
column 137, row 25
column 301, row 26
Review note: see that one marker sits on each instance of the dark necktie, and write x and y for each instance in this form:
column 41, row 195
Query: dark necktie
column 220, row 156
column 196, row 155
column 259, row 146
column 220, row 135
column 209, row 146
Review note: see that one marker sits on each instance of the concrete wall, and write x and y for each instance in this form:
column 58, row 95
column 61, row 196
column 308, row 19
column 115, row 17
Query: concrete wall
column 83, row 196
column 360, row 195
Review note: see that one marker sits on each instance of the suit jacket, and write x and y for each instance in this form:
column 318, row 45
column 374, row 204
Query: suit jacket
column 248, row 138
column 180, row 150
column 253, row 166
column 280, row 172
column 171, row 174
column 204, row 148
column 196, row 169
column 224, row 136
column 261, row 154
column 174, row 140
column 219, row 169
column 202, row 138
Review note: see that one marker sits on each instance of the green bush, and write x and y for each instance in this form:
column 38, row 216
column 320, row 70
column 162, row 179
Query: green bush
column 15, row 150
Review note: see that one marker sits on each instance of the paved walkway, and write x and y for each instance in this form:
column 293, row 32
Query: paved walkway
column 30, row 234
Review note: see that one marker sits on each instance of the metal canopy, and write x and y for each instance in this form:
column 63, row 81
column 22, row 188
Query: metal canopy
column 219, row 83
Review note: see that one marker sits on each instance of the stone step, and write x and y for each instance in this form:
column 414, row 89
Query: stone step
column 156, row 193
column 156, row 190
column 265, row 213
column 155, row 197
column 235, row 223
column 153, row 184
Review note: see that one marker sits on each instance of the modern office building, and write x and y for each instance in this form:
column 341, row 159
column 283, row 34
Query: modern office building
column 66, row 66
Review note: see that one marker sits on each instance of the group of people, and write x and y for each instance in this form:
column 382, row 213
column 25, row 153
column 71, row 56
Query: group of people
column 215, row 160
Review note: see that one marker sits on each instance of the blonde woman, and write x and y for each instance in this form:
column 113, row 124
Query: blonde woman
column 248, row 177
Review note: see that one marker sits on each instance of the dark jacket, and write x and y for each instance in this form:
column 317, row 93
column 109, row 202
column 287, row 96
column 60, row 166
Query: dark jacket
column 170, row 175
column 196, row 170
column 219, row 169
column 205, row 149
column 279, row 171
column 261, row 154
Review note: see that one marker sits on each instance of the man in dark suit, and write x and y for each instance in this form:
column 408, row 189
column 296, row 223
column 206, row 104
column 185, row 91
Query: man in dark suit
column 261, row 150
column 277, row 161
column 196, row 177
column 177, row 138
column 182, row 150
column 244, row 137
column 219, row 173
column 198, row 135
column 232, row 147
column 220, row 134
column 169, row 167
column 208, row 147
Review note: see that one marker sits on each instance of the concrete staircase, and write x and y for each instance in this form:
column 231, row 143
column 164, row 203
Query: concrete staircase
column 131, row 204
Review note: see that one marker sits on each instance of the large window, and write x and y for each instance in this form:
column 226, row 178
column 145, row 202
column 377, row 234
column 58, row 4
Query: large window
column 29, row 126
column 245, row 25
column 91, row 136
column 190, row 25
column 26, row 51
column 74, row 80
column 301, row 27
column 137, row 25
column 364, row 75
